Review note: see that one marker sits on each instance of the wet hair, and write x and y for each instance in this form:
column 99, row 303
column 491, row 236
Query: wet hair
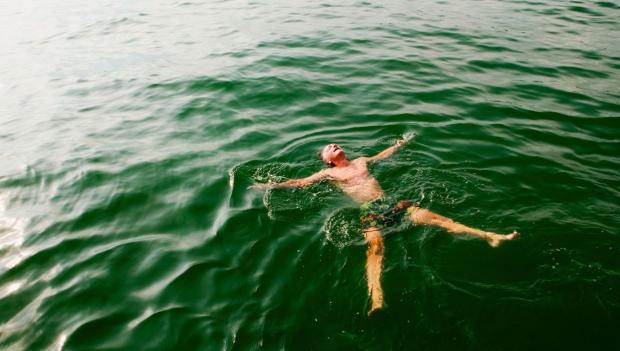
column 319, row 154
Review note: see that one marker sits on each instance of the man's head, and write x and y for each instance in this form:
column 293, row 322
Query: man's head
column 332, row 153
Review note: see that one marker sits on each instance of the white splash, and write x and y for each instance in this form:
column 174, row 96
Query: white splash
column 408, row 136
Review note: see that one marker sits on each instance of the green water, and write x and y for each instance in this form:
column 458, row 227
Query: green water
column 129, row 134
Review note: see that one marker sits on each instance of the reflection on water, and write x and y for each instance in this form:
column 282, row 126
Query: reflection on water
column 11, row 237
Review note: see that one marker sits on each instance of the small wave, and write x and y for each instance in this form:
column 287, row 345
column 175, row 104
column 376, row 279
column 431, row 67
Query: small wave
column 343, row 229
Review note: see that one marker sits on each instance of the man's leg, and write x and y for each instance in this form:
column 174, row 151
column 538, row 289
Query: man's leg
column 374, row 262
column 423, row 216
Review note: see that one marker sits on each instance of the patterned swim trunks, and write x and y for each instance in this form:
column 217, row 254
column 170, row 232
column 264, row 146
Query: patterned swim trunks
column 382, row 213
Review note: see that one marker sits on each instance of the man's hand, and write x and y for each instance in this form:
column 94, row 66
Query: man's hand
column 262, row 186
column 406, row 139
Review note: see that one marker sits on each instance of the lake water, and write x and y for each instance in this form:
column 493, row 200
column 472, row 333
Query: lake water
column 130, row 132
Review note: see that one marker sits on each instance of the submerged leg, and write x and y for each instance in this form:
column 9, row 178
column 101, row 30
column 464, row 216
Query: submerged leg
column 424, row 216
column 374, row 262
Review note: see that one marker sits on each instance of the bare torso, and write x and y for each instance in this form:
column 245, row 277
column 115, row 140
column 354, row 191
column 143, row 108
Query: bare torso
column 356, row 181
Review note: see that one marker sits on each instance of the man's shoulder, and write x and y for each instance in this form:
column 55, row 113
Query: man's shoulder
column 326, row 172
column 361, row 159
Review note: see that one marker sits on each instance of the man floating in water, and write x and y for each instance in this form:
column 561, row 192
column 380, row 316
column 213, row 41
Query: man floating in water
column 378, row 211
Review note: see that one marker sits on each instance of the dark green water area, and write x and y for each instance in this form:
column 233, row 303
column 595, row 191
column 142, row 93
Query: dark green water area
column 130, row 132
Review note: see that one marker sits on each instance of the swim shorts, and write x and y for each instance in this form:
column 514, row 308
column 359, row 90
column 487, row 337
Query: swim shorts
column 382, row 213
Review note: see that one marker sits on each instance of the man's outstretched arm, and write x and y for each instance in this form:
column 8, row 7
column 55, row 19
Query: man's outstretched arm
column 294, row 183
column 389, row 151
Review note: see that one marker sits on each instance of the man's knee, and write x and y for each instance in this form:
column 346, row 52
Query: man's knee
column 423, row 216
column 419, row 215
column 375, row 242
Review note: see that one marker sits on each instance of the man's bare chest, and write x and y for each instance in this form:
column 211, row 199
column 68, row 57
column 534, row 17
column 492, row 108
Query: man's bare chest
column 351, row 173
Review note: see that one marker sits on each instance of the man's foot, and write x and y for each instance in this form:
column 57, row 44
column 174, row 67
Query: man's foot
column 374, row 309
column 496, row 240
column 376, row 299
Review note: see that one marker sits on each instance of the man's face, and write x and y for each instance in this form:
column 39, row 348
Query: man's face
column 332, row 152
